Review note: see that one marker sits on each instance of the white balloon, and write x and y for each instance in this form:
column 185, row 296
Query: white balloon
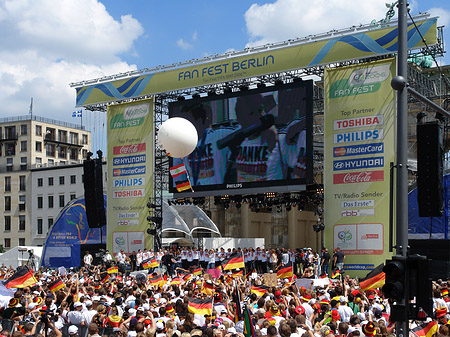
column 178, row 137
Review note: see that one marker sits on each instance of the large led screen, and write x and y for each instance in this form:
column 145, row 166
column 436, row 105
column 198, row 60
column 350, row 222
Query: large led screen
column 252, row 141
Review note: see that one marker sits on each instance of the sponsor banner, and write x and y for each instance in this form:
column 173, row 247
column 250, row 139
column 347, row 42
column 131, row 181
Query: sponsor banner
column 129, row 171
column 130, row 147
column 129, row 182
column 359, row 146
column 129, row 160
column 356, row 150
column 358, row 163
column 244, row 64
column 358, row 266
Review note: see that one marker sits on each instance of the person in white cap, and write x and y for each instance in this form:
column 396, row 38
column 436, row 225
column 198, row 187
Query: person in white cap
column 344, row 310
column 73, row 330
column 75, row 316
column 89, row 313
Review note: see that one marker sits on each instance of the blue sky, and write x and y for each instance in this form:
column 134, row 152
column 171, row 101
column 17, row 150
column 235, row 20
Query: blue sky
column 47, row 44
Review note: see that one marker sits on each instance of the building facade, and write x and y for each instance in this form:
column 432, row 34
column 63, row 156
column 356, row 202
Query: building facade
column 28, row 143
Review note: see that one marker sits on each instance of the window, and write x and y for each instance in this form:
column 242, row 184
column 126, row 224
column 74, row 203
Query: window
column 9, row 164
column 10, row 132
column 73, row 179
column 7, row 243
column 61, row 180
column 50, row 148
column 50, row 222
column 22, row 183
column 85, row 154
column 62, row 136
column 38, row 146
column 22, row 202
column 23, row 129
column 7, row 223
column 50, row 181
column 50, row 134
column 21, row 223
column 84, row 139
column 40, row 182
column 73, row 138
column 38, row 160
column 40, row 227
column 62, row 152
column 51, row 162
column 50, row 201
column 7, row 203
column 23, row 163
column 61, row 200
column 40, row 202
column 73, row 154
column 72, row 196
column 7, row 184
column 38, row 130
column 21, row 241
column 10, row 149
column 23, row 146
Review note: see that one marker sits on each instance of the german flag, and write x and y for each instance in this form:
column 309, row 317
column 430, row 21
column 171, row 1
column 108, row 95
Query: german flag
column 286, row 271
column 105, row 278
column 207, row 288
column 336, row 274
column 375, row 279
column 235, row 261
column 239, row 273
column 146, row 265
column 176, row 281
column 155, row 280
column 183, row 185
column 113, row 270
column 200, row 306
column 187, row 277
column 154, row 263
column 22, row 278
column 197, row 271
column 259, row 290
column 429, row 330
column 56, row 285
column 237, row 301
column 323, row 275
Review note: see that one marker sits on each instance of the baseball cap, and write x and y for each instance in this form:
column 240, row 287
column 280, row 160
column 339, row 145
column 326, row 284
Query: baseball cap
column 73, row 329
column 76, row 305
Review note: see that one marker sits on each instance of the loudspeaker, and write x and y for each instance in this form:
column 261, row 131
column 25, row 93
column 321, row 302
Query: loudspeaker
column 99, row 200
column 96, row 250
column 430, row 191
column 89, row 192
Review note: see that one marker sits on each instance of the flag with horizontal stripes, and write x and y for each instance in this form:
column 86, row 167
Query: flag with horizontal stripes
column 154, row 263
column 183, row 185
column 187, row 277
column 238, row 273
column 146, row 265
column 104, row 278
column 22, row 278
column 207, row 288
column 178, row 170
column 113, row 270
column 235, row 261
column 324, row 275
column 176, row 281
column 375, row 279
column 428, row 331
column 259, row 290
column 197, row 271
column 200, row 306
column 155, row 280
column 56, row 285
column 336, row 273
column 286, row 271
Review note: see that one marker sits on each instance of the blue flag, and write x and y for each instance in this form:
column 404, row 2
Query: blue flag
column 77, row 113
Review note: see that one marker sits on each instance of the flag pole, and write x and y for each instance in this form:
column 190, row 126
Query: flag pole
column 189, row 179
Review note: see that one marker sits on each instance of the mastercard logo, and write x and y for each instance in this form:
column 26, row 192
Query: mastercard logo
column 116, row 172
column 339, row 151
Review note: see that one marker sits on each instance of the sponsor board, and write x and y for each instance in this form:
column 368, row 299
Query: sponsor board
column 136, row 193
column 128, row 171
column 363, row 239
column 139, row 159
column 359, row 163
column 358, row 136
column 128, row 215
column 358, row 212
column 358, row 266
column 370, row 75
column 360, row 149
column 133, row 222
column 358, row 177
column 128, row 182
column 357, row 203
column 129, row 149
column 358, row 122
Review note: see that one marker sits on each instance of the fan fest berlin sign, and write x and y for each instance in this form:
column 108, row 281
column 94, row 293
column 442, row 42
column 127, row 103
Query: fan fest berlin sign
column 130, row 170
column 379, row 41
column 359, row 146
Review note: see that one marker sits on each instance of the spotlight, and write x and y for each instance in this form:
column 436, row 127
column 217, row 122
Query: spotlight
column 155, row 219
column 440, row 117
column 278, row 82
column 212, row 93
column 151, row 231
column 298, row 80
column 181, row 98
column 243, row 87
column 227, row 90
column 169, row 202
column 261, row 85
column 420, row 116
column 151, row 205
column 196, row 95
column 288, row 208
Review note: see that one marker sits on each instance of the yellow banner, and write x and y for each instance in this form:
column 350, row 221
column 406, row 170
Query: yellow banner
column 337, row 48
column 130, row 175
column 359, row 142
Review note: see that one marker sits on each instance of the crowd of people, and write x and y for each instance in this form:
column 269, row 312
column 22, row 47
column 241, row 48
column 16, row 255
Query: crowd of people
column 101, row 300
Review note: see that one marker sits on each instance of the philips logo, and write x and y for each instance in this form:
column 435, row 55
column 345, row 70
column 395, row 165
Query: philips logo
column 359, row 163
column 354, row 150
column 129, row 182
column 358, row 136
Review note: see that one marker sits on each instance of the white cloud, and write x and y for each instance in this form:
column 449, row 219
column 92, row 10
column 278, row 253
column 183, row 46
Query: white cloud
column 287, row 19
column 47, row 44
column 184, row 44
